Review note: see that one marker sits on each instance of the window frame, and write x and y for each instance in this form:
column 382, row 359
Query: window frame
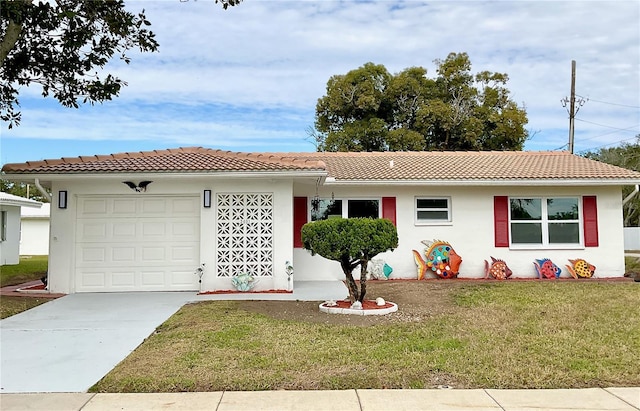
column 545, row 222
column 3, row 225
column 416, row 209
column 345, row 205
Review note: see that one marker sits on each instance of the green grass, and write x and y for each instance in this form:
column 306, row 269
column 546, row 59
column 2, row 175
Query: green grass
column 524, row 334
column 632, row 264
column 13, row 305
column 30, row 268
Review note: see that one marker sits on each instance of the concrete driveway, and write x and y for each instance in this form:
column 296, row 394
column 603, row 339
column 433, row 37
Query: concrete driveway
column 68, row 344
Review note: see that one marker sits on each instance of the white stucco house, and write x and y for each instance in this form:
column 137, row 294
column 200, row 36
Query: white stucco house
column 10, row 226
column 34, row 232
column 147, row 221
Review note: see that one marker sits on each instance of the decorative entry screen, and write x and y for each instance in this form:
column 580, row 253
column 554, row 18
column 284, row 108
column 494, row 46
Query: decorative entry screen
column 245, row 234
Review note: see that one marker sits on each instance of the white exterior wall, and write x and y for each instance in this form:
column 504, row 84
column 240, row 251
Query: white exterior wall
column 632, row 238
column 34, row 236
column 63, row 224
column 34, row 230
column 471, row 231
column 9, row 248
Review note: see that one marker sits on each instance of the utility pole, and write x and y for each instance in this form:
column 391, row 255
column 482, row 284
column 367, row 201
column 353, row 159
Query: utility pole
column 573, row 110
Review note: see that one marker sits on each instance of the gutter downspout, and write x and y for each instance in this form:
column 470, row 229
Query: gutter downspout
column 50, row 197
column 631, row 195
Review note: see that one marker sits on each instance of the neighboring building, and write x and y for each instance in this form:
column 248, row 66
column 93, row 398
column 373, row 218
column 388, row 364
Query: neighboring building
column 146, row 221
column 10, row 226
column 34, row 232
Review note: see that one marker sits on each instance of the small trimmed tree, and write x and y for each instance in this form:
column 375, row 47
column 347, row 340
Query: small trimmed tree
column 352, row 242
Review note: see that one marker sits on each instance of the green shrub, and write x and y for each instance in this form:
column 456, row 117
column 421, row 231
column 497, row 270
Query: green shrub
column 351, row 242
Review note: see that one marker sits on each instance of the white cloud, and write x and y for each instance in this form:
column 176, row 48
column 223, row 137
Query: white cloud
column 268, row 62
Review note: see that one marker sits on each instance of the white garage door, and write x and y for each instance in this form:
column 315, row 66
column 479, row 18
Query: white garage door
column 137, row 243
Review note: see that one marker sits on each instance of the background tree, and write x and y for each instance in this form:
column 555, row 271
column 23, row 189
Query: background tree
column 352, row 242
column 63, row 45
column 627, row 156
column 22, row 190
column 369, row 109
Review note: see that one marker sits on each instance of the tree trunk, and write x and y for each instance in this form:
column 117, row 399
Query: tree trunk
column 9, row 39
column 351, row 283
column 363, row 279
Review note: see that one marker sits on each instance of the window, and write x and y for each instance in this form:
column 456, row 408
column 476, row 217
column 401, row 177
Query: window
column 432, row 209
column 3, row 225
column 324, row 208
column 545, row 221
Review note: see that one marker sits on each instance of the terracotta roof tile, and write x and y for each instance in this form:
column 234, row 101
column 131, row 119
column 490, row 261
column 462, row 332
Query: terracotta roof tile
column 362, row 166
column 172, row 160
column 464, row 165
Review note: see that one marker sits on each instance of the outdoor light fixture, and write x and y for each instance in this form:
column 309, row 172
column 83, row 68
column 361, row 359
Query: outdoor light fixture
column 206, row 198
column 62, row 199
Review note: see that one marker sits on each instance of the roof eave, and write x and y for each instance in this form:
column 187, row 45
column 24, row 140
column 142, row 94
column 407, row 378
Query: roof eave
column 487, row 182
column 69, row 176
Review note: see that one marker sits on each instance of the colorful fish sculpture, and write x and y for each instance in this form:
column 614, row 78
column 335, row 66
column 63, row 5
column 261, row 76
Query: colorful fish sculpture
column 545, row 268
column 498, row 269
column 579, row 268
column 441, row 259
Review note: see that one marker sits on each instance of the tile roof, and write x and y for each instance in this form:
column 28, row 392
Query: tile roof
column 430, row 166
column 466, row 166
column 190, row 159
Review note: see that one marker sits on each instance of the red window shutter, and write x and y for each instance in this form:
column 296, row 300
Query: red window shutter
column 389, row 209
column 501, row 220
column 299, row 219
column 590, row 220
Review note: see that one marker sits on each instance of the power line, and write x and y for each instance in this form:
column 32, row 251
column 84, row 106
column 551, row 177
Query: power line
column 611, row 127
column 609, row 103
column 608, row 144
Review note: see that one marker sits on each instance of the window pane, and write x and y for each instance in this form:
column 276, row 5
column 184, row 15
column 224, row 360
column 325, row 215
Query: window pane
column 562, row 208
column 433, row 215
column 432, row 203
column 527, row 233
column 564, row 233
column 363, row 208
column 526, row 209
column 325, row 208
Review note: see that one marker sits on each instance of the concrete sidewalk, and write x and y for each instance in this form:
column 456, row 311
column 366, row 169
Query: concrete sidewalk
column 627, row 398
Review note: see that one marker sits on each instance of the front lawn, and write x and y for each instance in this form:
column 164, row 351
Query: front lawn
column 30, row 268
column 464, row 334
column 13, row 305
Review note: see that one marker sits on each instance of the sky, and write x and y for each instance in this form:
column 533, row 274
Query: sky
column 248, row 78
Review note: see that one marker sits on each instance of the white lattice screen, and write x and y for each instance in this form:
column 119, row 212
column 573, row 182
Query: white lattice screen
column 245, row 234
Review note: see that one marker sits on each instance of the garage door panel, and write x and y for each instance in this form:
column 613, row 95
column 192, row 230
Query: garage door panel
column 154, row 206
column 183, row 253
column 91, row 230
column 181, row 278
column 95, row 280
column 123, row 254
column 153, row 254
column 125, row 279
column 93, row 206
column 153, row 279
column 123, row 206
column 151, row 230
column 137, row 243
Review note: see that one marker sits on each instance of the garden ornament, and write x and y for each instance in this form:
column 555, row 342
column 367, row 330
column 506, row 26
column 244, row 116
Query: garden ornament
column 378, row 269
column 441, row 260
column 579, row 268
column 243, row 282
column 545, row 268
column 497, row 269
